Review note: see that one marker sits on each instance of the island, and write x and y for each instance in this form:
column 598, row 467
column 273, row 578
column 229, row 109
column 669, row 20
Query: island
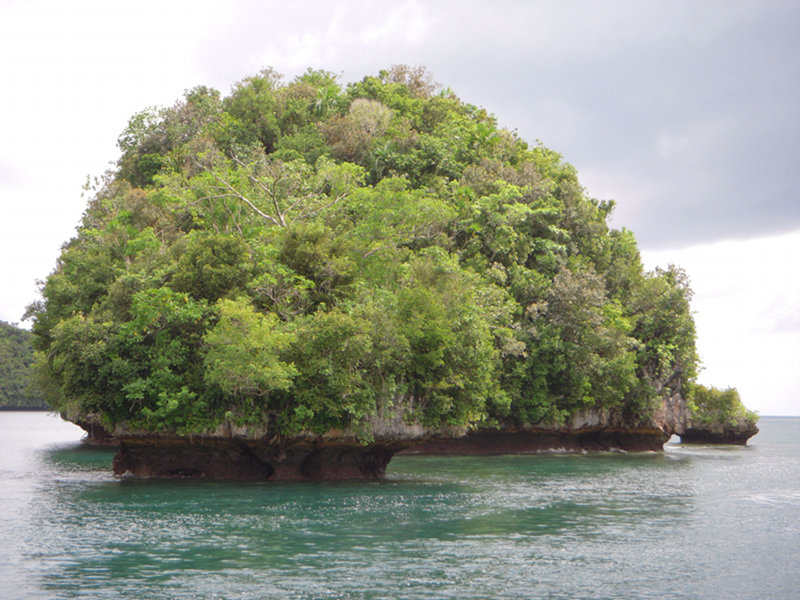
column 300, row 279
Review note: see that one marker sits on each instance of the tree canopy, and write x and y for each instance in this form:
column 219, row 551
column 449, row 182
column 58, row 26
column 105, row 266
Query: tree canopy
column 307, row 255
column 717, row 409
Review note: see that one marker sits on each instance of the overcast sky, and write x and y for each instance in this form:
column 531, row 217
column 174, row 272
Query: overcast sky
column 687, row 113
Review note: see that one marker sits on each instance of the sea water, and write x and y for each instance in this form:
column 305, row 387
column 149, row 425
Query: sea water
column 691, row 522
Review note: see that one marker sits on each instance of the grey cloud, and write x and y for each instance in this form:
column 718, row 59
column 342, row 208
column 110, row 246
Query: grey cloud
column 723, row 92
column 695, row 100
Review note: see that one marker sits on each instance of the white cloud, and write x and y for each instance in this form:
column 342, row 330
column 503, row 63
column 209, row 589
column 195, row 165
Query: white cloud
column 407, row 22
column 746, row 304
column 73, row 73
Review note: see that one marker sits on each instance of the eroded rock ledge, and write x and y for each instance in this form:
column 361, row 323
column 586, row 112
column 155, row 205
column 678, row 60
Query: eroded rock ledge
column 336, row 460
column 735, row 432
column 493, row 442
column 338, row 455
column 219, row 458
column 96, row 433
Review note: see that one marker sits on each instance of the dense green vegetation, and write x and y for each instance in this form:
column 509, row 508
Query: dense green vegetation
column 307, row 256
column 717, row 409
column 16, row 361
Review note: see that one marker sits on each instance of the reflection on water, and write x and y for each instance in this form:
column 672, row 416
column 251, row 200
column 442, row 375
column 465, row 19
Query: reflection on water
column 688, row 523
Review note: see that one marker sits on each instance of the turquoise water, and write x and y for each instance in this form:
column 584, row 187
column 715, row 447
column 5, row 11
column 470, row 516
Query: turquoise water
column 693, row 522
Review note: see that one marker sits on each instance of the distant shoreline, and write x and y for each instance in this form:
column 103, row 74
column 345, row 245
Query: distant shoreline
column 778, row 417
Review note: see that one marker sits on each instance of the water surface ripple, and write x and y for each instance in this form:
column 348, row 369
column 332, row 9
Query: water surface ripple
column 693, row 522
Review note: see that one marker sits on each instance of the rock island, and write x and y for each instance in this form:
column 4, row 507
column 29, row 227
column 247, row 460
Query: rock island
column 297, row 280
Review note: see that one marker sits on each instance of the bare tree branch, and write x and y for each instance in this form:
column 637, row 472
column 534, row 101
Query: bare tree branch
column 234, row 193
column 269, row 192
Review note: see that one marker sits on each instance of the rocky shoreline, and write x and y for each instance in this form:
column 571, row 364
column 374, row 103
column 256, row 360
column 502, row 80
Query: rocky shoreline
column 326, row 459
column 339, row 455
column 737, row 432
column 238, row 459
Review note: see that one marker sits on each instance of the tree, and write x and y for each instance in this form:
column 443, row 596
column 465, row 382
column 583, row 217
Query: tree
column 351, row 136
column 243, row 351
column 716, row 408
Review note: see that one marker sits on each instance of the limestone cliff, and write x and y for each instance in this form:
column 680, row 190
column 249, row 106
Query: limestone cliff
column 589, row 430
column 719, row 417
column 241, row 453
column 96, row 433
column 735, row 431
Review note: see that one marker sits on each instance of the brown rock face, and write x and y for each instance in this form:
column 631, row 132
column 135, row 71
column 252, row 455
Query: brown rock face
column 216, row 458
column 96, row 434
column 237, row 459
column 590, row 430
column 493, row 442
column 337, row 455
column 729, row 433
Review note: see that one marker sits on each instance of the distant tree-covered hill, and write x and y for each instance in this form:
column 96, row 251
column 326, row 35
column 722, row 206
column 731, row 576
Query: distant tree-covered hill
column 16, row 359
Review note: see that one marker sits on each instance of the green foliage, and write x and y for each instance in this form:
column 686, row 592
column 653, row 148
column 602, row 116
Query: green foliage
column 665, row 327
column 252, row 106
column 300, row 257
column 16, row 363
column 332, row 387
column 243, row 351
column 712, row 406
column 452, row 360
column 156, row 362
column 153, row 134
column 209, row 265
